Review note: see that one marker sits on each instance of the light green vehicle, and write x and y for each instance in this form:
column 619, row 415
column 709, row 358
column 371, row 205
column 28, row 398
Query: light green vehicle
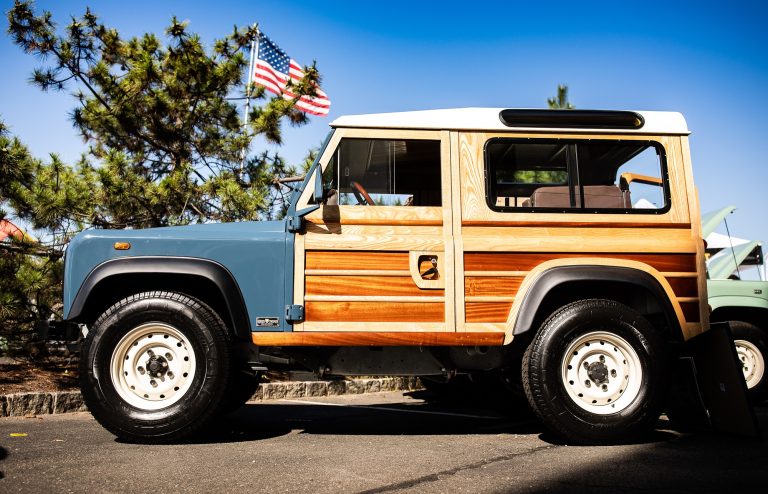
column 742, row 302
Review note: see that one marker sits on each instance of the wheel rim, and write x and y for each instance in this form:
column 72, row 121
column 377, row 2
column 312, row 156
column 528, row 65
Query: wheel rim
column 153, row 366
column 602, row 373
column 752, row 362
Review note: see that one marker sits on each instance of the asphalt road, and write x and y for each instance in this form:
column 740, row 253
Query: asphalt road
column 379, row 443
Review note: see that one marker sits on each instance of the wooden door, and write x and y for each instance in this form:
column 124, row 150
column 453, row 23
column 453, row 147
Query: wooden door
column 380, row 268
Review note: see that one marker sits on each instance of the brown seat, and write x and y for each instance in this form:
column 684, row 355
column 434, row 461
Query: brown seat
column 595, row 197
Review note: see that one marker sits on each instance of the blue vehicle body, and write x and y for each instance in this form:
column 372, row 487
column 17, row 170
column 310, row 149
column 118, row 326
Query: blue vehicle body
column 258, row 255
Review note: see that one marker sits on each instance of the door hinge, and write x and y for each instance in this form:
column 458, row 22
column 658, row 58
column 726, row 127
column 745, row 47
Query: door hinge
column 294, row 313
column 295, row 223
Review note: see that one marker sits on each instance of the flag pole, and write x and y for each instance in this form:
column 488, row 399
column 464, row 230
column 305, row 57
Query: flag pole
column 253, row 53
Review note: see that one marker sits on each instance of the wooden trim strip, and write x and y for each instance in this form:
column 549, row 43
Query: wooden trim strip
column 356, row 272
column 678, row 274
column 376, row 222
column 377, row 339
column 514, row 274
column 684, row 300
column 374, row 327
column 370, row 311
column 372, row 298
column 489, row 298
column 575, row 224
column 522, row 261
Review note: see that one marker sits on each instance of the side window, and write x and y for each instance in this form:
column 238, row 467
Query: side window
column 384, row 172
column 576, row 175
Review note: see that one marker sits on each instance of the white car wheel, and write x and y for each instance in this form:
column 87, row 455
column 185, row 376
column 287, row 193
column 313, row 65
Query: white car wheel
column 152, row 366
column 752, row 362
column 602, row 372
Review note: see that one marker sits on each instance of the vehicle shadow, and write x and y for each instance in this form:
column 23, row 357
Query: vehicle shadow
column 434, row 416
column 3, row 456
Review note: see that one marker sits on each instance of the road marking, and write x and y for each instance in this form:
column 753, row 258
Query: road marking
column 390, row 409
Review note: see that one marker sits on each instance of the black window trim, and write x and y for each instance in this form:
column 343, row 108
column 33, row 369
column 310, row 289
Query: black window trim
column 490, row 186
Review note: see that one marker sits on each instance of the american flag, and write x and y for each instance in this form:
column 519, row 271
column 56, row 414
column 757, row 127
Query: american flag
column 273, row 68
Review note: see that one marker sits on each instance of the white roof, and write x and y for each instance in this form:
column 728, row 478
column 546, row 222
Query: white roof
column 656, row 122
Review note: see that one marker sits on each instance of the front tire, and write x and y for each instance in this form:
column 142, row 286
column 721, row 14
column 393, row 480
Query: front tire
column 751, row 349
column 594, row 373
column 154, row 367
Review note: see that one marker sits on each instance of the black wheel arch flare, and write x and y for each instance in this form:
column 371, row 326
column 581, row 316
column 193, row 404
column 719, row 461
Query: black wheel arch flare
column 557, row 276
column 203, row 269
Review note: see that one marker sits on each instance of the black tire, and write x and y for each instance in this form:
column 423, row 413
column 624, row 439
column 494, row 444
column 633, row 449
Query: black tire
column 183, row 372
column 242, row 387
column 751, row 349
column 624, row 367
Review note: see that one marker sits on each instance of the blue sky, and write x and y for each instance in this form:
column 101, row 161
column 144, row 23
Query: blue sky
column 707, row 60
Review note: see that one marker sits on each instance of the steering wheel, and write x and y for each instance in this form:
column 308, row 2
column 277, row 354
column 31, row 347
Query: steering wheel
column 362, row 196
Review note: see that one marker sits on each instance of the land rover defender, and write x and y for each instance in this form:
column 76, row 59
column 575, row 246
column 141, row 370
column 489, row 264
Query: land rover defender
column 563, row 247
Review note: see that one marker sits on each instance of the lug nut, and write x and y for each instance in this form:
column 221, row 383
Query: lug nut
column 153, row 383
column 170, row 375
column 613, row 372
column 169, row 356
column 602, row 358
column 141, row 370
column 605, row 387
column 587, row 383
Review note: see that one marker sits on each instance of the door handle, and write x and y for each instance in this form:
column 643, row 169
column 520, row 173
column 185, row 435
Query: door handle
column 425, row 267
column 428, row 268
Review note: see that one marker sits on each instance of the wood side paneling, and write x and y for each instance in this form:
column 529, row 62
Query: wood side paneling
column 375, row 311
column 684, row 287
column 357, row 260
column 377, row 215
column 577, row 240
column 571, row 224
column 493, row 261
column 378, row 339
column 491, row 285
column 487, row 311
column 367, row 285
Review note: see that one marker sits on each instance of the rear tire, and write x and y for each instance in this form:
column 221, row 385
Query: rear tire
column 751, row 349
column 154, row 367
column 594, row 373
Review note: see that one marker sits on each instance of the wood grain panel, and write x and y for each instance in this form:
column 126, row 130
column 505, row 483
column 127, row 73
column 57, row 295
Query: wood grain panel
column 524, row 261
column 375, row 311
column 366, row 285
column 578, row 240
column 491, row 285
column 684, row 287
column 487, row 311
column 571, row 224
column 392, row 261
column 378, row 339
column 377, row 215
column 691, row 311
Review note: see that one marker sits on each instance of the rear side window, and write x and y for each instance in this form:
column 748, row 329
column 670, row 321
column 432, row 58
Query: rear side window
column 620, row 176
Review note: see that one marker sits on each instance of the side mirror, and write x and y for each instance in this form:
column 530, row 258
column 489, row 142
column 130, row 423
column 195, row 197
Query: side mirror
column 318, row 192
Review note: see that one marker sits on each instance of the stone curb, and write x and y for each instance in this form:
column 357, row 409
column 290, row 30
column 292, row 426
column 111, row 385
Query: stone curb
column 26, row 404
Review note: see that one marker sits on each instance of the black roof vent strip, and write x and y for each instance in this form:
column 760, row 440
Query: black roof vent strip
column 572, row 119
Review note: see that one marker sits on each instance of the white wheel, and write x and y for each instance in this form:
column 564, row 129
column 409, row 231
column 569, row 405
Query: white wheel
column 601, row 372
column 752, row 362
column 152, row 366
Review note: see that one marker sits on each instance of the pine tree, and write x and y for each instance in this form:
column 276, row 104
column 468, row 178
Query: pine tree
column 165, row 138
column 561, row 100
